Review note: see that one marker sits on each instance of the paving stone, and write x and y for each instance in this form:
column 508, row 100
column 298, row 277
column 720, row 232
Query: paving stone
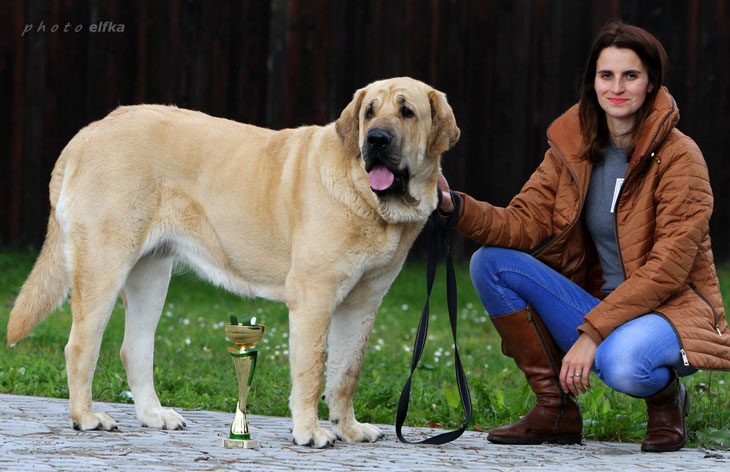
column 35, row 434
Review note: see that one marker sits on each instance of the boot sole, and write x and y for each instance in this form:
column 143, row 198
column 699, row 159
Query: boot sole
column 562, row 439
column 662, row 448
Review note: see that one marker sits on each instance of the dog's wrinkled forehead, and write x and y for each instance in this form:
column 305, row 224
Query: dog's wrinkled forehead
column 394, row 97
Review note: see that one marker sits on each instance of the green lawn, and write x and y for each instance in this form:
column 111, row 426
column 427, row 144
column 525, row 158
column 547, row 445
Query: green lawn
column 194, row 371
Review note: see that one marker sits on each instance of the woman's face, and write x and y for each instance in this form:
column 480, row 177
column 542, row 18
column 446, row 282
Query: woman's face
column 621, row 85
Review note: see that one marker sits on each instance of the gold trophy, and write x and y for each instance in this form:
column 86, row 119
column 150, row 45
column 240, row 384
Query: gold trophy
column 244, row 336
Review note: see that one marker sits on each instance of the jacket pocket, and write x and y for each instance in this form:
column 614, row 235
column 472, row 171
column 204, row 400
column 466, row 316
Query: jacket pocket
column 714, row 313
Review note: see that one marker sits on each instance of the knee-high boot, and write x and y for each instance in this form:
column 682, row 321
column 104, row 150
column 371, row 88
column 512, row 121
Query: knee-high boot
column 556, row 417
column 667, row 409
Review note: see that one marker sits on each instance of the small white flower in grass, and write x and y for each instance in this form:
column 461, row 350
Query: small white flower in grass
column 378, row 347
column 431, row 337
column 404, row 307
column 260, row 311
column 286, row 353
column 168, row 314
column 436, row 359
column 12, row 346
column 722, row 382
column 185, row 321
column 505, row 370
column 489, row 347
column 206, row 349
column 483, row 319
column 447, row 353
column 413, row 330
column 486, row 366
column 406, row 348
column 380, row 341
column 265, row 341
column 433, row 405
column 284, row 335
column 469, row 306
column 171, row 305
column 187, row 341
column 276, row 353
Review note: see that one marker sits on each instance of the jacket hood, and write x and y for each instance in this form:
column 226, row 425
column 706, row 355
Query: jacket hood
column 564, row 133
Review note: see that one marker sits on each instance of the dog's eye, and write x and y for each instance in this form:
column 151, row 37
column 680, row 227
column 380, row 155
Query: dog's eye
column 406, row 112
column 369, row 113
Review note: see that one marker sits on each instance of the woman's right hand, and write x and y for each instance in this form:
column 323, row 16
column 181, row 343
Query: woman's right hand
column 447, row 206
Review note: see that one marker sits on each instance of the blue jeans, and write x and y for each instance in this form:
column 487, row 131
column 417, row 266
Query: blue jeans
column 635, row 358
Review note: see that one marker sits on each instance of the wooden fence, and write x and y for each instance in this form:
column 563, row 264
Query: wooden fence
column 508, row 67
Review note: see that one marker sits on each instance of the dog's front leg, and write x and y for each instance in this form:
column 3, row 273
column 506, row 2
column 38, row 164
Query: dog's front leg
column 309, row 320
column 350, row 329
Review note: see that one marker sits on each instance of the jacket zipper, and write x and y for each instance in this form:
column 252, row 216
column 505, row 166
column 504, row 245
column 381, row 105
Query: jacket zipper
column 551, row 239
column 682, row 352
column 714, row 313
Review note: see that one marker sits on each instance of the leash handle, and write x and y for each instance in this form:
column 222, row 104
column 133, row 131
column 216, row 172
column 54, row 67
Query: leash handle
column 440, row 233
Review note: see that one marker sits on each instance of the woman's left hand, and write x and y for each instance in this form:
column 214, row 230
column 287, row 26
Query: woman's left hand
column 577, row 365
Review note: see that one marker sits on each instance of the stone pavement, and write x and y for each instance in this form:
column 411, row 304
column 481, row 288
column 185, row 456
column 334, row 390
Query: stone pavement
column 35, row 434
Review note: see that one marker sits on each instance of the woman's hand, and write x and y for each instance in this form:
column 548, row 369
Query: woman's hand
column 447, row 206
column 577, row 365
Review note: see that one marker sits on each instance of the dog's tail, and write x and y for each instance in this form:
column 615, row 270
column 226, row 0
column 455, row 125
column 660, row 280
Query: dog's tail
column 46, row 287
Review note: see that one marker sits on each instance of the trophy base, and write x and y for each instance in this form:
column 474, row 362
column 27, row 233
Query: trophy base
column 240, row 444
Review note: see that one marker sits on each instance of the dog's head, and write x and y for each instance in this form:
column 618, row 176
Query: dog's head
column 399, row 128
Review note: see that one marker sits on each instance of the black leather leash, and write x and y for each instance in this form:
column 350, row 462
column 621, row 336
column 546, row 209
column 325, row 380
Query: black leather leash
column 440, row 234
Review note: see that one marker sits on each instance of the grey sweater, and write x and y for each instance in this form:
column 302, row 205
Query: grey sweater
column 606, row 180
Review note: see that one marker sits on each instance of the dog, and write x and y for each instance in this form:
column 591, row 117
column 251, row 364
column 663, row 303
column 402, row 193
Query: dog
column 319, row 217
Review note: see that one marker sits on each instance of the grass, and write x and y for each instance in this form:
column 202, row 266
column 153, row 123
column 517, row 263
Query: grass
column 193, row 369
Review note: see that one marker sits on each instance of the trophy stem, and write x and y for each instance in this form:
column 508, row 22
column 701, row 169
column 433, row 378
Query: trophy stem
column 245, row 364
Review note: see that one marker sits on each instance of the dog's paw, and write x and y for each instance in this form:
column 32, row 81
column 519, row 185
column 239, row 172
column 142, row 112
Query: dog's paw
column 357, row 432
column 94, row 420
column 317, row 437
column 163, row 418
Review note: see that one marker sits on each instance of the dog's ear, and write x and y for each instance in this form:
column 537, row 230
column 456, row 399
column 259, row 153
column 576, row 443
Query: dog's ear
column 444, row 132
column 348, row 124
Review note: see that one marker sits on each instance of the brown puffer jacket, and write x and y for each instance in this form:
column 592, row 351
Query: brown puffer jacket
column 662, row 223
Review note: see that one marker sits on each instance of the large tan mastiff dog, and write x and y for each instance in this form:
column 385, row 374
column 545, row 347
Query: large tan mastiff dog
column 318, row 217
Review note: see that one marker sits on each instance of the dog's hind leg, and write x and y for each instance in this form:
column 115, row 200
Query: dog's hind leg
column 97, row 279
column 350, row 329
column 144, row 299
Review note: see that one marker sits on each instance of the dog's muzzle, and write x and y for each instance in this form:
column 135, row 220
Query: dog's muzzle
column 381, row 163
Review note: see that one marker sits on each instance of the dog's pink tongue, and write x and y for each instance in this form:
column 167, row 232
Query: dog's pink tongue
column 381, row 178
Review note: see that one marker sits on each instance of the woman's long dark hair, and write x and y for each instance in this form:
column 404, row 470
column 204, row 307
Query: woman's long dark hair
column 592, row 117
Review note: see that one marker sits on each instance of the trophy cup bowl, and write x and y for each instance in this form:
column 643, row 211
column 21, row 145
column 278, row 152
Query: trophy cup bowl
column 244, row 360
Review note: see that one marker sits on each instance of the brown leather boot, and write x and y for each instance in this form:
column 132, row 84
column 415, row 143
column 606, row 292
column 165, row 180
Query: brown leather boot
column 667, row 410
column 555, row 418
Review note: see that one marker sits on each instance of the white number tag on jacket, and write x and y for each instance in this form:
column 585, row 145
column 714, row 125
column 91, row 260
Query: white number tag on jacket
column 616, row 190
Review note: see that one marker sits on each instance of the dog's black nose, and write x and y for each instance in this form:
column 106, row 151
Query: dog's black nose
column 378, row 137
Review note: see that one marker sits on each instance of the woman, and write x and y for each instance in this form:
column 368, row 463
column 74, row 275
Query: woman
column 604, row 255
